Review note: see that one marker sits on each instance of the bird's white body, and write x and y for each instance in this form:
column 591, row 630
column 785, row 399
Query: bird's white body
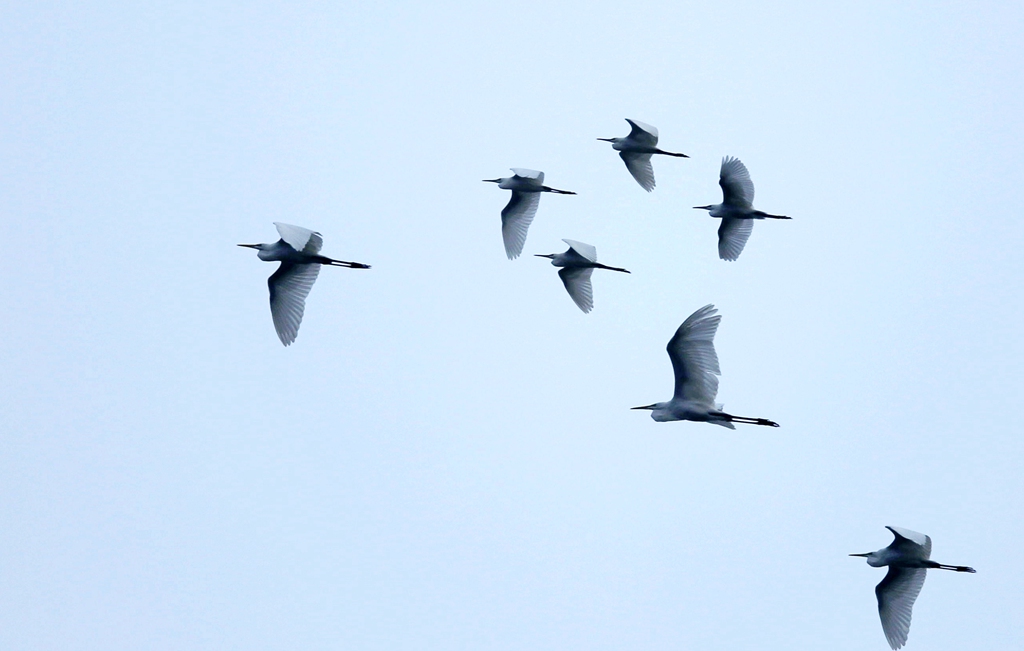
column 516, row 217
column 298, row 251
column 578, row 264
column 636, row 150
column 908, row 559
column 695, row 364
column 736, row 210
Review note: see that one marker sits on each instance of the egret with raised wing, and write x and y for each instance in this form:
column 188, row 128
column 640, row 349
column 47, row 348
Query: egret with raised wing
column 298, row 250
column 516, row 217
column 636, row 150
column 695, row 363
column 908, row 561
column 736, row 210
column 578, row 263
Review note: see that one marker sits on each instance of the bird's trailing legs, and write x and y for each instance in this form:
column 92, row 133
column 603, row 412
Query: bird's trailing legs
column 955, row 568
column 748, row 420
column 331, row 262
column 763, row 215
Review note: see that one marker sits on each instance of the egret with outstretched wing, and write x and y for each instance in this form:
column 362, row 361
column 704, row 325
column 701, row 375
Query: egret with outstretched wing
column 526, row 186
column 298, row 250
column 636, row 150
column 578, row 263
column 695, row 364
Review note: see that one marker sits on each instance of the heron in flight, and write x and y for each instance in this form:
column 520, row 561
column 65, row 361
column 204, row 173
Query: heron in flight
column 298, row 250
column 736, row 210
column 636, row 150
column 908, row 561
column 578, row 263
column 695, row 363
column 516, row 217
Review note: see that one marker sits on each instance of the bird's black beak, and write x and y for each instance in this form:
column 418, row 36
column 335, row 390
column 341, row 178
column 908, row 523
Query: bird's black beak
column 545, row 255
column 605, row 139
column 492, row 181
column 250, row 246
column 702, row 207
column 861, row 555
column 644, row 407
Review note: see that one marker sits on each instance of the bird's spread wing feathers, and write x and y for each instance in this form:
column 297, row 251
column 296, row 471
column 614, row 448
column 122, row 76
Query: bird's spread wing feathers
column 585, row 250
column 528, row 174
column 289, row 287
column 300, row 239
column 577, row 283
column 737, row 188
column 733, row 234
column 639, row 165
column 692, row 351
column 516, row 218
column 911, row 542
column 896, row 595
column 643, row 133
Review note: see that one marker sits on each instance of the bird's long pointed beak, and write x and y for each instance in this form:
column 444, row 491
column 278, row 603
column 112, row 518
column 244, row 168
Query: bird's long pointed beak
column 605, row 139
column 492, row 180
column 250, row 246
column 708, row 207
column 861, row 555
column 545, row 255
column 644, row 407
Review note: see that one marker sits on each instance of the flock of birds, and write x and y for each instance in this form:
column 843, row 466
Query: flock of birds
column 691, row 349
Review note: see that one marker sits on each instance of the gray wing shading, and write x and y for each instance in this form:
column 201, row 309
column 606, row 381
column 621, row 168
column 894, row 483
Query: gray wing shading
column 896, row 595
column 694, row 361
column 639, row 165
column 642, row 133
column 737, row 188
column 577, row 283
column 524, row 173
column 300, row 239
column 289, row 287
column 911, row 542
column 585, row 250
column 733, row 234
column 516, row 218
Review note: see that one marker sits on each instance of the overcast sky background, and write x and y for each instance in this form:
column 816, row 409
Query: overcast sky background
column 445, row 458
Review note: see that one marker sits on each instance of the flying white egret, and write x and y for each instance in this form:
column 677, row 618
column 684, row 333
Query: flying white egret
column 736, row 210
column 517, row 216
column 578, row 263
column 636, row 150
column 695, row 363
column 907, row 558
column 298, row 250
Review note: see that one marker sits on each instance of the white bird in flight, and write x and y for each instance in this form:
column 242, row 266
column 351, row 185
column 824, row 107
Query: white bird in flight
column 908, row 561
column 578, row 263
column 636, row 150
column 695, row 363
column 517, row 216
column 736, row 210
column 298, row 250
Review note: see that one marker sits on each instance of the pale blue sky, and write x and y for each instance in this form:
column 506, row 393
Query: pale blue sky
column 446, row 459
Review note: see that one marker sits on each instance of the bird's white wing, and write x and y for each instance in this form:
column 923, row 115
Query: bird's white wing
column 737, row 188
column 289, row 287
column 643, row 133
column 694, row 361
column 585, row 250
column 911, row 542
column 639, row 165
column 522, row 172
column 896, row 595
column 516, row 218
column 577, row 283
column 733, row 234
column 300, row 239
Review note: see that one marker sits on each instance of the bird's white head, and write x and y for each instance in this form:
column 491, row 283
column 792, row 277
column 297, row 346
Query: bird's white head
column 658, row 412
column 874, row 558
